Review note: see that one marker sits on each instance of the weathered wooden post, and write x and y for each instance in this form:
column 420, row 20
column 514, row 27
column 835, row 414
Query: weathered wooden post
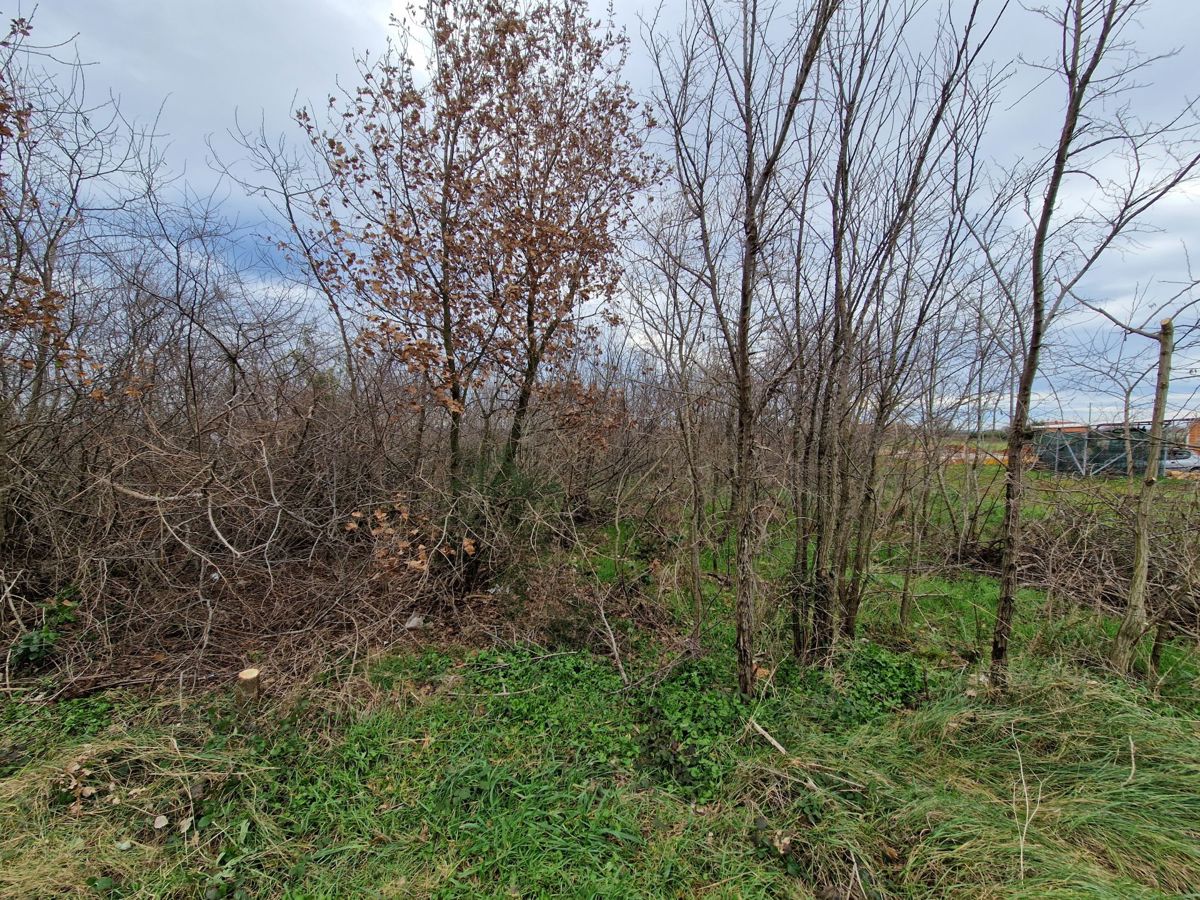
column 1133, row 624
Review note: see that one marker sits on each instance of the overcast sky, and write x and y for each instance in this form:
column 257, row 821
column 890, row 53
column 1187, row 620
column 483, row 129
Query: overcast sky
column 195, row 64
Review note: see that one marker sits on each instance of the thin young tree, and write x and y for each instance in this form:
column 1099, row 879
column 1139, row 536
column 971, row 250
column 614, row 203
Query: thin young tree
column 474, row 209
column 728, row 89
column 1096, row 69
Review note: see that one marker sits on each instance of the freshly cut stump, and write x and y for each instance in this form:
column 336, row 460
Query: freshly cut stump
column 247, row 687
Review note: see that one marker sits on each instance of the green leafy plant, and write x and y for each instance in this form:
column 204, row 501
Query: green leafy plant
column 33, row 647
column 878, row 682
column 690, row 730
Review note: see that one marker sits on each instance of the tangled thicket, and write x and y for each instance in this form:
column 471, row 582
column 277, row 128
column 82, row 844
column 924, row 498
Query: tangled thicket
column 474, row 336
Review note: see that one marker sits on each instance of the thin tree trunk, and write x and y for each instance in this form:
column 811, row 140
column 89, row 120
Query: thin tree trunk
column 864, row 539
column 1161, row 634
column 1089, row 33
column 1133, row 625
column 1078, row 83
column 696, row 478
column 917, row 530
column 516, row 431
column 1129, row 470
column 1011, row 528
column 802, row 478
column 742, row 505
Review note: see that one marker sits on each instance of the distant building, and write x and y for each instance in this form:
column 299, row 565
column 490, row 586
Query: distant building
column 1074, row 448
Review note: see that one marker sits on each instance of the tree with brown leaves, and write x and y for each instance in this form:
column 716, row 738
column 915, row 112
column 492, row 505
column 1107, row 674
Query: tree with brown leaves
column 475, row 209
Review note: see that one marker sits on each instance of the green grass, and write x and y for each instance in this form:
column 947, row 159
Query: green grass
column 1045, row 494
column 529, row 773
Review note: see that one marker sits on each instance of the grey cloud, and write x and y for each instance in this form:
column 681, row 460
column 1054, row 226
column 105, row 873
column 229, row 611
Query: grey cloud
column 200, row 60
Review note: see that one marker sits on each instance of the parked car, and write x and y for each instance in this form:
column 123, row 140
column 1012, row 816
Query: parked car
column 1182, row 459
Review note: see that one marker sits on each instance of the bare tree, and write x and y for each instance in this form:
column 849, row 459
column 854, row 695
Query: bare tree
column 1096, row 68
column 728, row 65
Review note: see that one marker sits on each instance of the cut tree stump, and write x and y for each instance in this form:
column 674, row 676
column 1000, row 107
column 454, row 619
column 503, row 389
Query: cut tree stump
column 247, row 687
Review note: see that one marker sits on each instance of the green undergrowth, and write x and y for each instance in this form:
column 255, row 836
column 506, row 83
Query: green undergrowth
column 530, row 773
